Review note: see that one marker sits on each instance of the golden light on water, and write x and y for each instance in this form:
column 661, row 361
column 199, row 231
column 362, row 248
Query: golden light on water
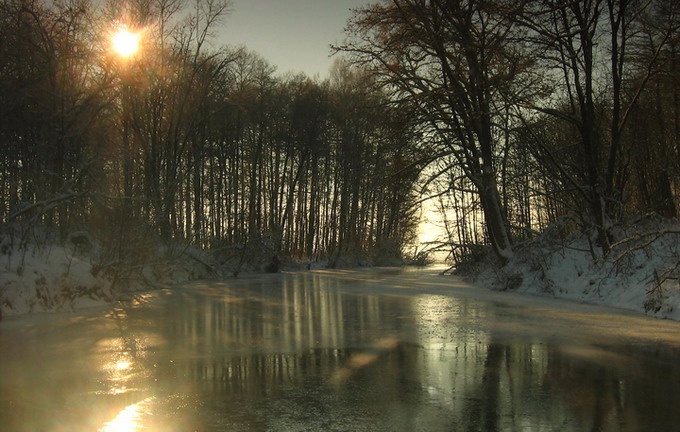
column 125, row 43
column 128, row 420
column 122, row 365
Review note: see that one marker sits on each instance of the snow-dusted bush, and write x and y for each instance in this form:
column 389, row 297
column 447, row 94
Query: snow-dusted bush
column 420, row 258
column 257, row 255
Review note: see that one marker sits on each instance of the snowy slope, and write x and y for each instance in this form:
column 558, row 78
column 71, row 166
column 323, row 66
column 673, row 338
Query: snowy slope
column 47, row 278
column 641, row 272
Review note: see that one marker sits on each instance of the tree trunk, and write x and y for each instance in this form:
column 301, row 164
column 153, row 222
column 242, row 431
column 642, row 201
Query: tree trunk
column 496, row 223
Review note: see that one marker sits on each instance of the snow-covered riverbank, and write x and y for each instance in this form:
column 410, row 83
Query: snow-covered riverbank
column 44, row 277
column 48, row 279
column 641, row 273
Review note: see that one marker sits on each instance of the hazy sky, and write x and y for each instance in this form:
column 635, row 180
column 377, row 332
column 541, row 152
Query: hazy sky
column 293, row 35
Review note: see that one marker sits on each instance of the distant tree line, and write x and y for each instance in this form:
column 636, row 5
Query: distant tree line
column 192, row 144
column 537, row 112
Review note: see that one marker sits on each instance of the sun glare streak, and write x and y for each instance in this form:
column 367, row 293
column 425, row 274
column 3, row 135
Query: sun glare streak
column 125, row 43
column 128, row 420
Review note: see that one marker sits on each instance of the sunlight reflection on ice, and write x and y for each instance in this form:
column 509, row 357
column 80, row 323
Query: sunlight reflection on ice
column 128, row 420
column 120, row 372
column 363, row 359
column 122, row 365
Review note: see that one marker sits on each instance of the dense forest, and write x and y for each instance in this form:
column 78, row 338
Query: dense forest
column 188, row 144
column 511, row 117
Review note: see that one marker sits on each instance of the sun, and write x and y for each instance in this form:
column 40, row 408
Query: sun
column 125, row 43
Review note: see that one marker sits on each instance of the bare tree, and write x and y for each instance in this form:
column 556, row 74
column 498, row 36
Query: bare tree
column 589, row 45
column 453, row 61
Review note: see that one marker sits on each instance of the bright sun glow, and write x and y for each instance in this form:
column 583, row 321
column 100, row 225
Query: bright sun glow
column 126, row 421
column 125, row 43
column 129, row 419
column 122, row 365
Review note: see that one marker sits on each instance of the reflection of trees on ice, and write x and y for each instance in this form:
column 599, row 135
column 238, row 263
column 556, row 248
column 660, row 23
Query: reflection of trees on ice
column 343, row 350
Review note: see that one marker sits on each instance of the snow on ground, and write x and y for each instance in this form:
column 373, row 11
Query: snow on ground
column 47, row 278
column 641, row 273
column 46, row 275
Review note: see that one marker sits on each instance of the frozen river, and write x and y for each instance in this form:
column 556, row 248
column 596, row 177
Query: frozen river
column 374, row 350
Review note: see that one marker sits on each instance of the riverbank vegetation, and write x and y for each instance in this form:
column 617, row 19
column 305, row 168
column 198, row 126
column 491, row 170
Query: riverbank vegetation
column 550, row 120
